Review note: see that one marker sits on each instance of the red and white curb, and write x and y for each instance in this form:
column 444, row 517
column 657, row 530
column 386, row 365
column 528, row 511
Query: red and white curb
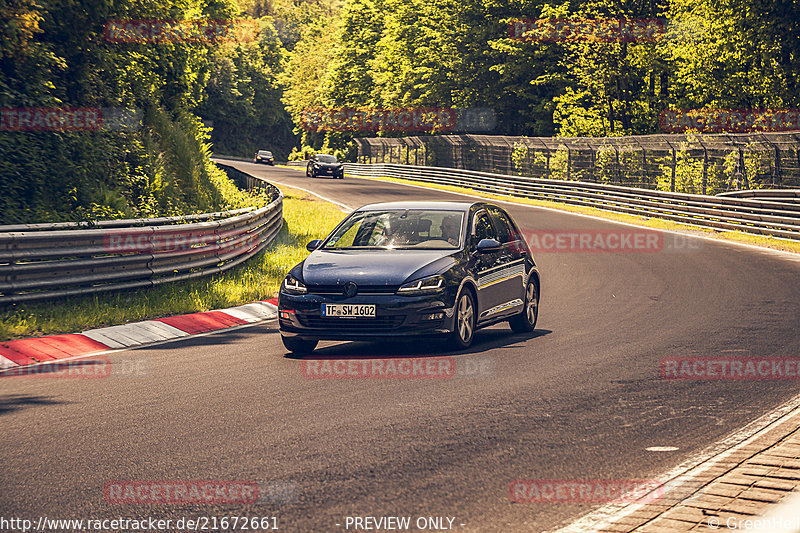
column 23, row 352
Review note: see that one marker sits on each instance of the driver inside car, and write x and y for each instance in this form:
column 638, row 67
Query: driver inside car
column 450, row 229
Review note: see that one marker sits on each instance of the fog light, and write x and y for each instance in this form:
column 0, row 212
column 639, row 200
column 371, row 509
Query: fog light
column 286, row 313
column 434, row 316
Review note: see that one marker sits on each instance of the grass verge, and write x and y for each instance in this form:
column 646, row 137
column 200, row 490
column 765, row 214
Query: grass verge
column 305, row 218
column 657, row 223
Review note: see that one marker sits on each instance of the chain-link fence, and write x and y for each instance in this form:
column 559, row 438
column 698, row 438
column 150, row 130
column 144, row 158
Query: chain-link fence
column 691, row 163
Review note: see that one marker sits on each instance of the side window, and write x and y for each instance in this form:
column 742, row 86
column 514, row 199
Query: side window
column 505, row 229
column 483, row 227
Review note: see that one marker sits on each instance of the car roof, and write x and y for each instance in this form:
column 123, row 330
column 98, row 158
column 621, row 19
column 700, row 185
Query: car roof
column 449, row 206
column 264, row 152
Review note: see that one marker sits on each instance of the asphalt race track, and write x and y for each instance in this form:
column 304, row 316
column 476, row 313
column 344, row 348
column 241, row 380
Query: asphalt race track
column 580, row 398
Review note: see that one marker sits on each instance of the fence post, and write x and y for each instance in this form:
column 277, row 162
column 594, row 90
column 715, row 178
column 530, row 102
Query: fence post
column 592, row 161
column 705, row 169
column 776, row 170
column 674, row 164
column 616, row 157
column 742, row 176
column 644, row 165
column 569, row 162
column 547, row 155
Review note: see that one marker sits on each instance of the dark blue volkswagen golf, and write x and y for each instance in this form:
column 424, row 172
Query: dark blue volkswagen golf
column 408, row 269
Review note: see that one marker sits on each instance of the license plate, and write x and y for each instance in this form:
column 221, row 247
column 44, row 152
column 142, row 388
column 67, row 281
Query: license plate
column 348, row 310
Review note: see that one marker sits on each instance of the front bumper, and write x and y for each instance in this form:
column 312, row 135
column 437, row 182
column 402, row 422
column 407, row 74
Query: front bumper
column 329, row 171
column 395, row 316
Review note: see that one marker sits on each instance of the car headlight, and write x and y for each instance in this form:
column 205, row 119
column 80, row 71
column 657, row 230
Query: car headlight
column 293, row 286
column 422, row 286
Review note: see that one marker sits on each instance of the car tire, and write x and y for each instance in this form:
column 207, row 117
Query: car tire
column 308, row 172
column 299, row 346
column 465, row 319
column 525, row 322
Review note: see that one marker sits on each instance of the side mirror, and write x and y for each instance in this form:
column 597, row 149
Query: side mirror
column 487, row 246
column 313, row 245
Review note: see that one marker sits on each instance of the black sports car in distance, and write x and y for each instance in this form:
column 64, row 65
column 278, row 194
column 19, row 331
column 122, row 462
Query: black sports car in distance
column 264, row 156
column 324, row 165
column 407, row 269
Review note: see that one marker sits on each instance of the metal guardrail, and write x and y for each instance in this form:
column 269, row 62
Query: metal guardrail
column 763, row 217
column 123, row 223
column 789, row 195
column 40, row 263
column 232, row 157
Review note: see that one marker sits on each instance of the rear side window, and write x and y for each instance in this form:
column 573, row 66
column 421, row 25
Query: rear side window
column 505, row 228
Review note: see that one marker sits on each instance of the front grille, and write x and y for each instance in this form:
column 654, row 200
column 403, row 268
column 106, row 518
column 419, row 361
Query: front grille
column 362, row 289
column 351, row 324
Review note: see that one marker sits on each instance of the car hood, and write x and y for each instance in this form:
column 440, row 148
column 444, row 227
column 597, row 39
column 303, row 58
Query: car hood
column 372, row 267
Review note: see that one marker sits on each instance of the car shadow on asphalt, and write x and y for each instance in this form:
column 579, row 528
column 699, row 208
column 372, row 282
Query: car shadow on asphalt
column 15, row 402
column 485, row 340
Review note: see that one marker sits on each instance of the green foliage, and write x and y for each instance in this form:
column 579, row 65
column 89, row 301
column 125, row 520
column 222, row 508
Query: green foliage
column 361, row 53
column 519, row 157
column 243, row 96
column 388, row 53
column 54, row 54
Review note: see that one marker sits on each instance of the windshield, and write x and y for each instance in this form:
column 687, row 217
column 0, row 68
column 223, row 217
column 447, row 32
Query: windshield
column 326, row 159
column 400, row 229
column 264, row 152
